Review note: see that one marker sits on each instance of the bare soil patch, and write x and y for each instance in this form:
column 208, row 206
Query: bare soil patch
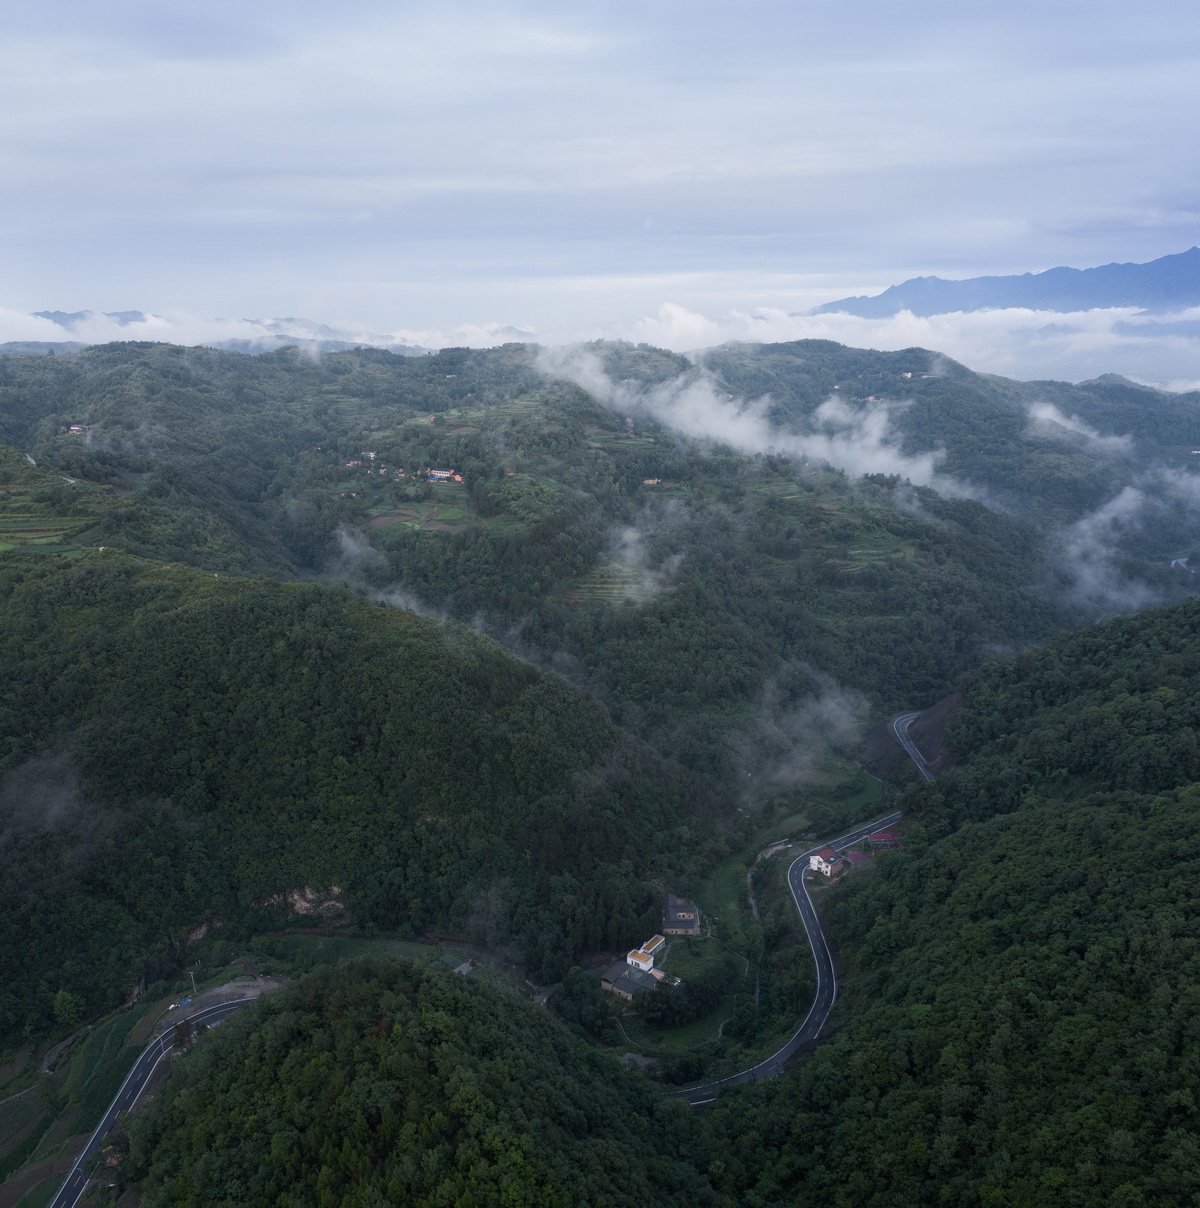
column 400, row 517
column 881, row 753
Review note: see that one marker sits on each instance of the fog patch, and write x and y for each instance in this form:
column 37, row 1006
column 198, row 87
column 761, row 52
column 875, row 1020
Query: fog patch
column 855, row 438
column 43, row 793
column 643, row 572
column 783, row 747
column 355, row 558
column 1159, row 349
column 1090, row 554
column 1048, row 423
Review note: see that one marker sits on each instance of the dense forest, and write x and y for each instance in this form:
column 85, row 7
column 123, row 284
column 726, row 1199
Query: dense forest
column 216, row 687
column 1018, row 1023
column 706, row 597
column 386, row 1083
column 182, row 745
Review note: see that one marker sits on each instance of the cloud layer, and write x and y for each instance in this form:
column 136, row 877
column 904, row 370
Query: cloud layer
column 856, row 440
column 427, row 166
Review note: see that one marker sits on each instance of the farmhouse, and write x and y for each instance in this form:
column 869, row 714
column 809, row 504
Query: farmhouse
column 825, row 861
column 680, row 917
column 643, row 957
column 625, row 980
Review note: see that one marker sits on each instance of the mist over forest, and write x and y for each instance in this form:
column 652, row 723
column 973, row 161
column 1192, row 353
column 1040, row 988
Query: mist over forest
column 497, row 647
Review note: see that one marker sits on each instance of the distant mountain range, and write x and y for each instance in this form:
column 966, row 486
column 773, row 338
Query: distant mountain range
column 1167, row 284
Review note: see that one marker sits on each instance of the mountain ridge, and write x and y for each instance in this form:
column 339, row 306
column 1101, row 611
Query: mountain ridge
column 1168, row 283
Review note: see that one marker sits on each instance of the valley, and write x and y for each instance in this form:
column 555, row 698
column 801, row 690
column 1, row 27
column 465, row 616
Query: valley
column 507, row 650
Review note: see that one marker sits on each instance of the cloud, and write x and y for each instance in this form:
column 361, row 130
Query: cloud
column 401, row 163
column 1090, row 554
column 355, row 559
column 1101, row 554
column 644, row 573
column 252, row 335
column 856, row 439
column 44, row 792
column 1016, row 342
column 789, row 735
column 1048, row 422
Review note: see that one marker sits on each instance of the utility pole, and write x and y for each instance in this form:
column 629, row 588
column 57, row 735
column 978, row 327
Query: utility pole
column 193, row 977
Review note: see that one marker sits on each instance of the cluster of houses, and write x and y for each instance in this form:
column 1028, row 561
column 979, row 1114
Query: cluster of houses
column 637, row 972
column 369, row 459
column 831, row 863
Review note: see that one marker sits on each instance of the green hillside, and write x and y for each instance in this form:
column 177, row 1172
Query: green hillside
column 385, row 1083
column 1019, row 1023
column 182, row 745
column 701, row 594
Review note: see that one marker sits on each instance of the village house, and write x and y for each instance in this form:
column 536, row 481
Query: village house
column 825, row 861
column 626, row 980
column 636, row 971
column 680, row 917
column 643, row 957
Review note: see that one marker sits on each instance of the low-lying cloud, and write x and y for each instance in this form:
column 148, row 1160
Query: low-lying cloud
column 789, row 736
column 244, row 335
column 1047, row 422
column 1162, row 350
column 856, row 439
column 1099, row 553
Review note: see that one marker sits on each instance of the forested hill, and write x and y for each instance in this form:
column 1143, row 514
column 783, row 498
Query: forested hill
column 706, row 596
column 1016, row 1024
column 385, row 1083
column 700, row 593
column 179, row 745
column 1114, row 706
column 1020, row 1017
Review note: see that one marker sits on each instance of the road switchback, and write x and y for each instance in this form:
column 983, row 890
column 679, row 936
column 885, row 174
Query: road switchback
column 826, row 994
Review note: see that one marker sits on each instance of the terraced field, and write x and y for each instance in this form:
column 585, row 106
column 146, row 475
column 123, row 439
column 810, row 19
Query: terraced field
column 611, row 583
column 45, row 534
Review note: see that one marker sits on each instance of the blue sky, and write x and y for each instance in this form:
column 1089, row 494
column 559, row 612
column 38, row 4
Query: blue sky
column 572, row 169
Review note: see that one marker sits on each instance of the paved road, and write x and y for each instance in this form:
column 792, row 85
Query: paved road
column 826, row 993
column 900, row 725
column 135, row 1082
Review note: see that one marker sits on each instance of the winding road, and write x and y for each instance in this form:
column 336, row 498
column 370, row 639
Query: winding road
column 826, row 993
column 77, row 1180
column 900, row 726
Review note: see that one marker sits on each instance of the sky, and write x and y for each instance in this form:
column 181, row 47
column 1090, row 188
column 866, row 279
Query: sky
column 660, row 170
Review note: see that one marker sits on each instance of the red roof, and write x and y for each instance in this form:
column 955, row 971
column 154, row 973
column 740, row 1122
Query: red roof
column 827, row 853
column 857, row 857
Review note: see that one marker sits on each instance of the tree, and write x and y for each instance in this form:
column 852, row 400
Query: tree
column 68, row 1008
